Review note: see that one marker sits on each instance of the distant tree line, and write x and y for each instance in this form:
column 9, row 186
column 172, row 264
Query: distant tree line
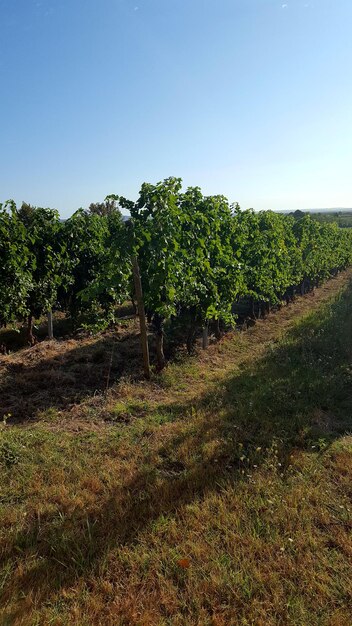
column 343, row 219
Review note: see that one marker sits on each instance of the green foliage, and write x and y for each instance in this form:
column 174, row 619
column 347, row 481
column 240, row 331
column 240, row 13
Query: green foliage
column 211, row 249
column 155, row 237
column 98, row 247
column 106, row 208
column 197, row 256
column 15, row 275
column 47, row 257
column 99, row 267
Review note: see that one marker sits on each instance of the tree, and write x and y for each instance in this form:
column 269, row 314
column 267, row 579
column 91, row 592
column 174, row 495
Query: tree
column 15, row 275
column 47, row 261
column 155, row 239
column 104, row 209
column 211, row 278
column 99, row 265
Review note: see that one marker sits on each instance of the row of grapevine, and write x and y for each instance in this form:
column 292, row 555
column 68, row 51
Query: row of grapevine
column 197, row 256
column 49, row 263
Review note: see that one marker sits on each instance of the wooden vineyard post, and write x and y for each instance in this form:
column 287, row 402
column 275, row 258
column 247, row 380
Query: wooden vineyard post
column 141, row 315
column 50, row 325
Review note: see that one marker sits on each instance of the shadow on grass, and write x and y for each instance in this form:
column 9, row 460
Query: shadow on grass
column 59, row 375
column 297, row 396
column 62, row 374
column 65, row 327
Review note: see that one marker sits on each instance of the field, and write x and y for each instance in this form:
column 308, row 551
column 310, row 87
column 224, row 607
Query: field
column 342, row 218
column 218, row 494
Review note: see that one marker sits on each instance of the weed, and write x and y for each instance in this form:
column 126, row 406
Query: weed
column 10, row 454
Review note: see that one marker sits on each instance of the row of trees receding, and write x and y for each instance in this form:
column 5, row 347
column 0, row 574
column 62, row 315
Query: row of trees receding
column 197, row 255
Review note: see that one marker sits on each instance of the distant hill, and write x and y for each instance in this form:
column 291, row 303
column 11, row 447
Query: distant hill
column 332, row 210
column 342, row 217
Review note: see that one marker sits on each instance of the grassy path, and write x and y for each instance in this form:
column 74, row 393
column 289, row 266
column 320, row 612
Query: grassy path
column 219, row 494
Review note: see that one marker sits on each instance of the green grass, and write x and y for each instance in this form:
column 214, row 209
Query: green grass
column 230, row 504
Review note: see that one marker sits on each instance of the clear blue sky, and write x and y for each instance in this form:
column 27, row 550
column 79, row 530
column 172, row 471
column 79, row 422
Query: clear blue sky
column 249, row 98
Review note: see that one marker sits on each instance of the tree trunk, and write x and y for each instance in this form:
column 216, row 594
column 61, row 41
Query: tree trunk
column 134, row 306
column 160, row 349
column 206, row 336
column 218, row 333
column 291, row 294
column 50, row 325
column 190, row 336
column 141, row 314
column 159, row 336
column 30, row 336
